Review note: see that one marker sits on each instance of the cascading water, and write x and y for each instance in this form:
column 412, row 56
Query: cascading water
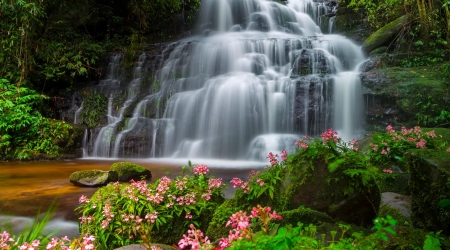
column 259, row 76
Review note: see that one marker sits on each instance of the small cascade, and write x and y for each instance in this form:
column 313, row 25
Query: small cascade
column 258, row 76
column 84, row 143
column 76, row 117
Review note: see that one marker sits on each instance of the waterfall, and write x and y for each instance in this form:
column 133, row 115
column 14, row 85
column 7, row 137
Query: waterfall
column 256, row 77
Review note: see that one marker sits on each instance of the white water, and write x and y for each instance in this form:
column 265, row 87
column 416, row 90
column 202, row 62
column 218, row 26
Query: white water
column 259, row 75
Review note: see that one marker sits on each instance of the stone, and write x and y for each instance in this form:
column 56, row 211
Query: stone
column 93, row 178
column 398, row 201
column 128, row 171
column 385, row 35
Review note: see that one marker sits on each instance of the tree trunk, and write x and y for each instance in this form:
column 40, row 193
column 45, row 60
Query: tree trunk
column 423, row 20
column 447, row 18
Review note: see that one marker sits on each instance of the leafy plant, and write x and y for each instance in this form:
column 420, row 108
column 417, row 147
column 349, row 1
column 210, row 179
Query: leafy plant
column 445, row 203
column 121, row 214
column 24, row 132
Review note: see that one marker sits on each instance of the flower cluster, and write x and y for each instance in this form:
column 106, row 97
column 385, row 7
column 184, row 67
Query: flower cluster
column 133, row 211
column 330, row 135
column 87, row 243
column 273, row 158
column 302, row 143
column 241, row 224
column 201, row 169
column 194, row 240
column 389, row 171
column 238, row 183
column 396, row 142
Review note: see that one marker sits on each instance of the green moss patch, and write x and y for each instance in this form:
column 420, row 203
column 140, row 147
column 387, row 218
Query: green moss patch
column 129, row 171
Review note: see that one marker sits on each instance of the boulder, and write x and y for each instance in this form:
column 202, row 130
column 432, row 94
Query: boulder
column 128, row 171
column 430, row 172
column 93, row 178
column 343, row 197
column 385, row 35
column 397, row 201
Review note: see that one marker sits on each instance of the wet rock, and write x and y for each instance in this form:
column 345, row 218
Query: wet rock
column 93, row 178
column 129, row 171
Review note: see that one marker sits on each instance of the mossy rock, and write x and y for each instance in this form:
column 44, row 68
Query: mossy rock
column 342, row 197
column 93, row 178
column 385, row 35
column 430, row 172
column 406, row 96
column 128, row 171
column 305, row 216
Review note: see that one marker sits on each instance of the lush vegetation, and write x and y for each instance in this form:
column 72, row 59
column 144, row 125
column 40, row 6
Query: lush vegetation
column 46, row 46
column 429, row 25
column 162, row 212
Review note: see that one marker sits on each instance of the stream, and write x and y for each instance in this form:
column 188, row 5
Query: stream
column 28, row 188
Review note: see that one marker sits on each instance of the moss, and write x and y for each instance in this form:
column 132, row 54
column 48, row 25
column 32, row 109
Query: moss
column 430, row 171
column 304, row 215
column 384, row 35
column 406, row 238
column 216, row 228
column 95, row 107
column 128, row 171
column 93, row 177
column 394, row 213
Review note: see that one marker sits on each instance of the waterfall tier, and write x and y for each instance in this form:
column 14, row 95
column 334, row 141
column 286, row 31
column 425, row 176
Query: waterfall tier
column 258, row 76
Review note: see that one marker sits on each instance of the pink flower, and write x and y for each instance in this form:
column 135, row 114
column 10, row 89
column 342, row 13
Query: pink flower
column 188, row 216
column 329, row 135
column 383, row 152
column 448, row 150
column 215, row 183
column 151, row 217
column 272, row 158
column 389, row 129
column 260, row 181
column 387, row 171
column 236, row 182
column 201, row 169
column 284, row 155
column 421, row 144
column 83, row 199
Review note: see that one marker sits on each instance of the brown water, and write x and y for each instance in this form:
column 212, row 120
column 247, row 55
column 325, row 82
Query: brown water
column 26, row 187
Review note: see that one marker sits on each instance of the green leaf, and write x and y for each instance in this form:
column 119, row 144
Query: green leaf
column 431, row 243
column 335, row 164
column 444, row 203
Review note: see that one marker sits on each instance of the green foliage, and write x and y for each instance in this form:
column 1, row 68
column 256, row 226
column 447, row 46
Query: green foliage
column 432, row 242
column 24, row 132
column 94, row 108
column 389, row 147
column 445, row 203
column 306, row 237
column 121, row 214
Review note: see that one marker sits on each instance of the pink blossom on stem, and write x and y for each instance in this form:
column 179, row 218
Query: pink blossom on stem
column 272, row 158
column 421, row 144
column 329, row 135
column 389, row 171
column 236, row 182
column 389, row 129
column 284, row 155
column 201, row 169
column 83, row 199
